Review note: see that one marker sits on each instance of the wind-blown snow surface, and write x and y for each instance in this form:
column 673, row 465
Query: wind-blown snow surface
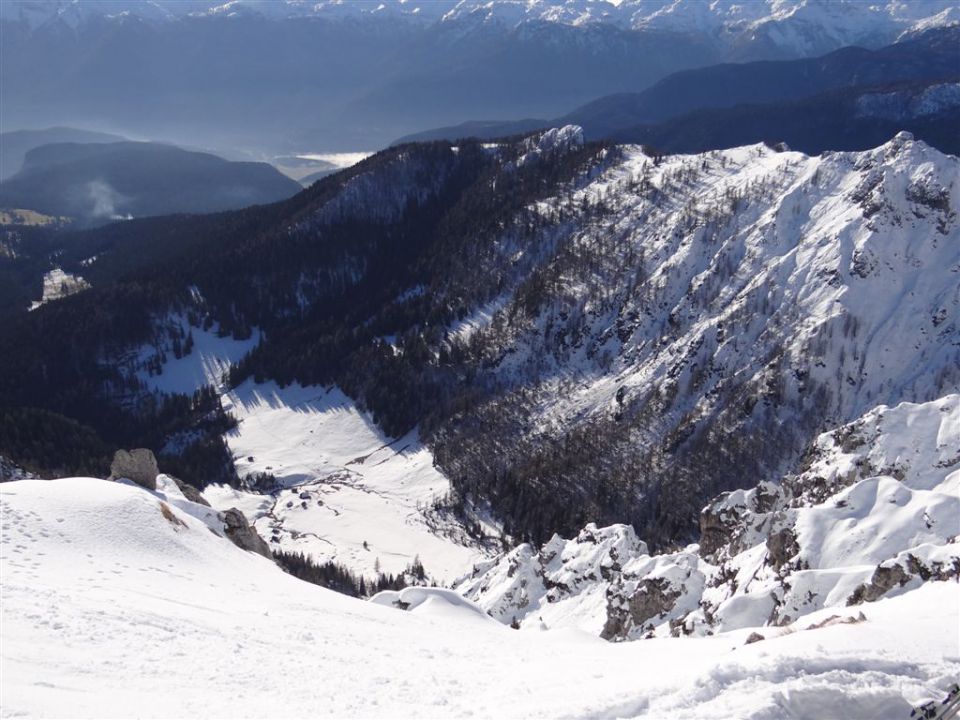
column 346, row 484
column 112, row 609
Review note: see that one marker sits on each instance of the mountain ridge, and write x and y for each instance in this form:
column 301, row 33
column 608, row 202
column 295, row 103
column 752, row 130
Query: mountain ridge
column 547, row 305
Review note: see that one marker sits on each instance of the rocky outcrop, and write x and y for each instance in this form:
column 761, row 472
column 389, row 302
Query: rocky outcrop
column 652, row 600
column 190, row 492
column 529, row 586
column 139, row 466
column 241, row 534
column 883, row 580
column 910, row 568
column 781, row 547
column 873, row 509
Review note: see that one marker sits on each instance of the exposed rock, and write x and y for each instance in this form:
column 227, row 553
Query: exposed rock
column 716, row 530
column 241, row 534
column 753, row 638
column 905, row 568
column 138, row 465
column 782, row 547
column 724, row 523
column 653, row 598
column 189, row 491
column 873, row 507
column 170, row 517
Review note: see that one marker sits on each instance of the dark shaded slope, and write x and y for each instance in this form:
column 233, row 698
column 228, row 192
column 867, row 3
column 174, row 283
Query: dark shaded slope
column 931, row 56
column 842, row 120
column 100, row 182
column 935, row 55
column 15, row 145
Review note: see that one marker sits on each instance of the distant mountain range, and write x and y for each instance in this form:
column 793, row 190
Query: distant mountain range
column 99, row 182
column 849, row 119
column 356, row 75
column 810, row 103
column 15, row 144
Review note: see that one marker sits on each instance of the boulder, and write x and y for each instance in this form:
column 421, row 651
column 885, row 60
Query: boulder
column 138, row 465
column 884, row 579
column 241, row 534
column 781, row 547
column 190, row 492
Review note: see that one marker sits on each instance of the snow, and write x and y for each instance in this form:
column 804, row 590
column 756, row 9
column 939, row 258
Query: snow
column 210, row 358
column 879, row 492
column 907, row 105
column 350, row 493
column 105, row 601
column 339, row 160
column 480, row 318
column 561, row 585
column 843, row 266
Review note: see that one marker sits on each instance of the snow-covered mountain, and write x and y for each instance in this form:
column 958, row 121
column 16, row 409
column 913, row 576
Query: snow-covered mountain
column 796, row 27
column 110, row 589
column 530, row 337
column 873, row 513
column 692, row 321
column 354, row 76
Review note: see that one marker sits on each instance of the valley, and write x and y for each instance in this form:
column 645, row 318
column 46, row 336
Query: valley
column 642, row 401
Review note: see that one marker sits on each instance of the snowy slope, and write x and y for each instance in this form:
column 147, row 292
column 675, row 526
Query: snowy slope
column 346, row 491
column 749, row 293
column 112, row 609
column 874, row 512
column 210, row 356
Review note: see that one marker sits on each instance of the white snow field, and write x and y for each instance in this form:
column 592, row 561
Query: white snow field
column 346, row 483
column 115, row 607
column 205, row 365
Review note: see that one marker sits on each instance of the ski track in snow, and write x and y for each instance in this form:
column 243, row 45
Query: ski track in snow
column 111, row 610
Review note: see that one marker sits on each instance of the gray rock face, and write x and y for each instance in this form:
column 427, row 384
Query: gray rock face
column 241, row 534
column 138, row 465
column 781, row 547
column 884, row 579
column 190, row 492
column 653, row 598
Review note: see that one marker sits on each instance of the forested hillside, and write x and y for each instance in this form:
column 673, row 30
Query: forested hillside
column 581, row 331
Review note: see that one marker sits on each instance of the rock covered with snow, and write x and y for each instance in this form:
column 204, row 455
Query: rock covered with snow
column 873, row 512
column 432, row 601
column 562, row 583
column 552, row 142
